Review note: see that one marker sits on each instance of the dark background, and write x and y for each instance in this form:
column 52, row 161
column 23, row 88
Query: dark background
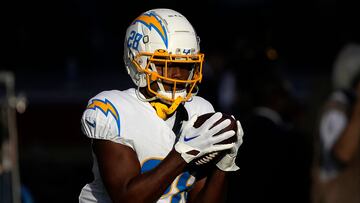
column 64, row 52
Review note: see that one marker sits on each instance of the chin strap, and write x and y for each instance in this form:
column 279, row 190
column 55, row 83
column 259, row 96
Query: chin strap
column 162, row 110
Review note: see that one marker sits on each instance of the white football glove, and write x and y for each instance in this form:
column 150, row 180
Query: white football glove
column 195, row 142
column 227, row 163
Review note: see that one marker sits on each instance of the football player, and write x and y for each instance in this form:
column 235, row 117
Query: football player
column 143, row 138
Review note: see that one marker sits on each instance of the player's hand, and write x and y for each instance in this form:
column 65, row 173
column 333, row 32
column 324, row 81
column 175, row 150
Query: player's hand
column 195, row 142
column 227, row 163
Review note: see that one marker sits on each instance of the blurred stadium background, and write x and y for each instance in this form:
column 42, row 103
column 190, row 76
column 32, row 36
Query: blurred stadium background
column 61, row 53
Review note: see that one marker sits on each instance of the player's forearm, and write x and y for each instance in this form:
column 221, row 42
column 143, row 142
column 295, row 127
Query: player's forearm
column 214, row 190
column 149, row 186
column 348, row 143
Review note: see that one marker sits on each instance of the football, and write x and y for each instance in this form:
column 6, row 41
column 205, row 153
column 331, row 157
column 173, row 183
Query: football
column 215, row 156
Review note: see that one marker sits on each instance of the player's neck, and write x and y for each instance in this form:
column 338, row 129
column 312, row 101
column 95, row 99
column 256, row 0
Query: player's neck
column 145, row 92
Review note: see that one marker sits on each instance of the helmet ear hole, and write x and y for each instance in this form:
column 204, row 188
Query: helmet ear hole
column 140, row 61
column 140, row 79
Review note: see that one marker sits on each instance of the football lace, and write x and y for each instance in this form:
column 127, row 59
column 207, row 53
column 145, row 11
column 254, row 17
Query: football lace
column 206, row 158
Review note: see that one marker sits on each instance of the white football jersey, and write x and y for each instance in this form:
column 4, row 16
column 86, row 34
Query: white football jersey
column 121, row 117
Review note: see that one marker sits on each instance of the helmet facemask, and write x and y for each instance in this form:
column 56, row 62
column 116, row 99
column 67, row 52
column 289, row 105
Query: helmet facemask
column 170, row 76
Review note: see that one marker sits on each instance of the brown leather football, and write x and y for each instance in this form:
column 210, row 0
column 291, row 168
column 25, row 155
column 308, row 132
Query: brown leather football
column 202, row 118
column 215, row 156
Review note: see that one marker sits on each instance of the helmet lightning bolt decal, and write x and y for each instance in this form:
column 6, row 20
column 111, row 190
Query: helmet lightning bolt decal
column 150, row 20
column 106, row 107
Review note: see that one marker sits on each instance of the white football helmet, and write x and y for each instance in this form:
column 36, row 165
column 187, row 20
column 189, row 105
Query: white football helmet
column 163, row 36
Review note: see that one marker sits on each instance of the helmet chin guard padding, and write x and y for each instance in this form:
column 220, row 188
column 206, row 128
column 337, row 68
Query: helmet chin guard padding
column 165, row 37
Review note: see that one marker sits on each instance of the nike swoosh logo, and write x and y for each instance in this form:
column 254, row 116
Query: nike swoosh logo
column 188, row 139
column 93, row 124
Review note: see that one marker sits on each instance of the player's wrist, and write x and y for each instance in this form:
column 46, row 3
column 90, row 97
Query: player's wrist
column 175, row 155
